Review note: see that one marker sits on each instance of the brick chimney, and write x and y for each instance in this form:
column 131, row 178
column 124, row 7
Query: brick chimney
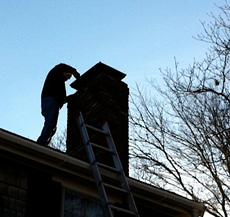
column 101, row 96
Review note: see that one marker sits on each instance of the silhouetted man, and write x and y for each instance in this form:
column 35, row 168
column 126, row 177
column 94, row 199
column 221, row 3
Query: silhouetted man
column 53, row 97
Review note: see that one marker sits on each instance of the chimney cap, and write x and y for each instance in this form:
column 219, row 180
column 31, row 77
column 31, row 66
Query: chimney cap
column 94, row 71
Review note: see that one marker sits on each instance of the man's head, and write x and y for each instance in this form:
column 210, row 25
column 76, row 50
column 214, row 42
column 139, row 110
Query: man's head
column 67, row 75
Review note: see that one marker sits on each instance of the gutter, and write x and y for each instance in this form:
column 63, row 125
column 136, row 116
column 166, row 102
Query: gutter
column 137, row 186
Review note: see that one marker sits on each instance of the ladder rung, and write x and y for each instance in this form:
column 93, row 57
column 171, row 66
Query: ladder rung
column 116, row 188
column 96, row 129
column 108, row 167
column 122, row 210
column 101, row 147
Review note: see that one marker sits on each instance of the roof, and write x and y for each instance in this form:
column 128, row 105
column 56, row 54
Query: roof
column 27, row 150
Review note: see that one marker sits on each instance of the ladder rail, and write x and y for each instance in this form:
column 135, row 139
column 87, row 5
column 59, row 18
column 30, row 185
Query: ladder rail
column 94, row 166
column 96, row 170
column 119, row 167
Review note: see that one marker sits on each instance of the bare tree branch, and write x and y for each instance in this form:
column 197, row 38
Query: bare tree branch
column 180, row 140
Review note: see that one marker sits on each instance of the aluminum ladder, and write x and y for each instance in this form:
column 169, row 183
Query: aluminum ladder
column 109, row 209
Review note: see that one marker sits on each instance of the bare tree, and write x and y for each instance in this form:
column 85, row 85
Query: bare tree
column 59, row 140
column 180, row 140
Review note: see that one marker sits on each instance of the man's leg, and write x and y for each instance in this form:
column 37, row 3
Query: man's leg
column 50, row 111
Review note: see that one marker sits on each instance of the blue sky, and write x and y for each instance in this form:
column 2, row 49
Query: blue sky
column 135, row 37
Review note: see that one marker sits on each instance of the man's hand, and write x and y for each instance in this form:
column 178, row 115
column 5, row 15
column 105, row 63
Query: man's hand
column 76, row 74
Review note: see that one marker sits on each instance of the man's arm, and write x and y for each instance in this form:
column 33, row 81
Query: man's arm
column 67, row 68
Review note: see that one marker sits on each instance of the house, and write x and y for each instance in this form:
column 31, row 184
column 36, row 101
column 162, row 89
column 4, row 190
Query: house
column 37, row 181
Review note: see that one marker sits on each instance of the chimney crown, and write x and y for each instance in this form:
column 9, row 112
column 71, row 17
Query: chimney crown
column 93, row 72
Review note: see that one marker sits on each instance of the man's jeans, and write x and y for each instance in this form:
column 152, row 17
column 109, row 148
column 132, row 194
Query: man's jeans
column 50, row 111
